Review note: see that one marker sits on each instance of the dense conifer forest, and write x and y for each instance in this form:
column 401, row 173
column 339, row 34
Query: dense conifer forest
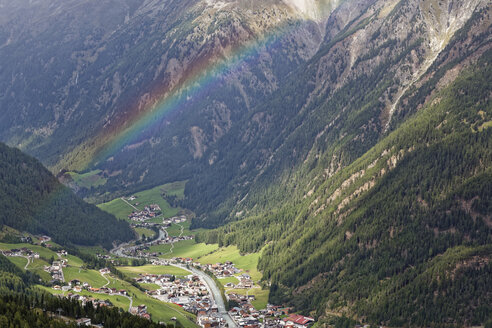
column 416, row 247
column 32, row 199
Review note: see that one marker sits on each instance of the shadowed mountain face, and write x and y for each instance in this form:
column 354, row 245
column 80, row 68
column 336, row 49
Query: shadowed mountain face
column 77, row 74
column 330, row 130
column 33, row 200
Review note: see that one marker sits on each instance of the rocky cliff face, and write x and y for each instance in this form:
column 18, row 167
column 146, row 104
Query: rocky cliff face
column 299, row 82
column 343, row 100
column 90, row 72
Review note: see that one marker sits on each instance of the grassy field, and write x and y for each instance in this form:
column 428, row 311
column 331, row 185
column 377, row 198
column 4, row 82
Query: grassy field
column 118, row 208
column 185, row 248
column 261, row 295
column 227, row 280
column 118, row 301
column 92, row 250
column 38, row 267
column 132, row 271
column 92, row 277
column 150, row 286
column 175, row 229
column 145, row 231
column 160, row 311
column 43, row 251
column 74, row 261
column 88, row 179
column 121, row 210
column 20, row 262
column 246, row 262
column 174, row 189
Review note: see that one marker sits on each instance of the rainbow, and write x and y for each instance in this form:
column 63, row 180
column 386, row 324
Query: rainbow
column 204, row 75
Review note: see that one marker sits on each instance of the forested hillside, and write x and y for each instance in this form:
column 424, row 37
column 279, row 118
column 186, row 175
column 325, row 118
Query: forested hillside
column 32, row 199
column 363, row 82
column 401, row 236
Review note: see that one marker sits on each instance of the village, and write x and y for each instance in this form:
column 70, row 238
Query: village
column 149, row 212
column 191, row 292
column 22, row 252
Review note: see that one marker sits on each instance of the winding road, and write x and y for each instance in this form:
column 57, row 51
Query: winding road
column 215, row 292
column 213, row 288
column 28, row 261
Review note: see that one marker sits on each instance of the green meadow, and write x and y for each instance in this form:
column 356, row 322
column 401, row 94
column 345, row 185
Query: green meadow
column 74, row 261
column 43, row 251
column 227, row 280
column 247, row 262
column 261, row 295
column 117, row 300
column 144, row 231
column 134, row 271
column 88, row 179
column 160, row 311
column 92, row 250
column 185, row 248
column 121, row 209
column 92, row 277
column 150, row 286
column 20, row 262
column 117, row 207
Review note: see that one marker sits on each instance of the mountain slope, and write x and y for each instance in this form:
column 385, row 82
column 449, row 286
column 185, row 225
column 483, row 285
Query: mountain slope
column 32, row 199
column 402, row 235
column 102, row 73
column 337, row 106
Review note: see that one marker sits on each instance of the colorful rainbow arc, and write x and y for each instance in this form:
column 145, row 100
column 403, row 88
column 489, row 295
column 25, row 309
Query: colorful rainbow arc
column 203, row 79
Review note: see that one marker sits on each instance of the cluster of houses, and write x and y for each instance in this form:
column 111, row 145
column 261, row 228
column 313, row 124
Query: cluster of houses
column 44, row 239
column 171, row 240
column 142, row 250
column 141, row 311
column 85, row 299
column 62, row 253
column 22, row 252
column 56, row 270
column 174, row 219
column 210, row 319
column 149, row 212
column 245, row 282
column 222, row 270
column 148, row 225
column 245, row 315
column 189, row 292
column 78, row 286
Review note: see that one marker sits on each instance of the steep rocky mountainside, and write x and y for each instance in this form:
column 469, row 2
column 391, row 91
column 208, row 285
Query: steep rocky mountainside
column 73, row 77
column 400, row 236
column 361, row 84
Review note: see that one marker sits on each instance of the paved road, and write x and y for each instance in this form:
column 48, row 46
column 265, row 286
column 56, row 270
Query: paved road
column 214, row 289
column 118, row 251
column 216, row 294
column 28, row 261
